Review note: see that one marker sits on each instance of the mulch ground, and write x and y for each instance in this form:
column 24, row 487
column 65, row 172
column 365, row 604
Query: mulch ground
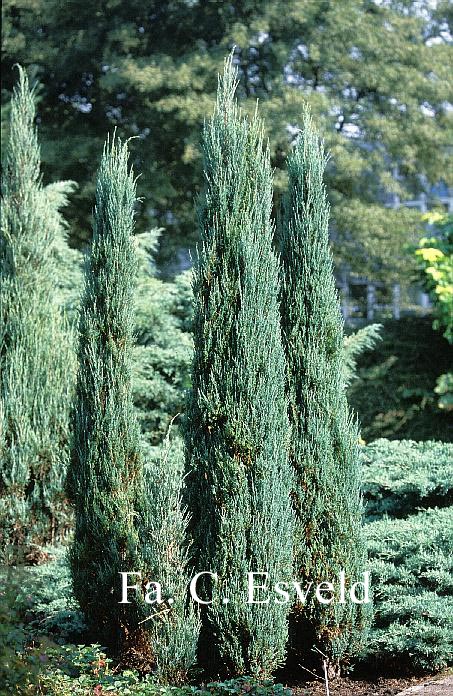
column 353, row 687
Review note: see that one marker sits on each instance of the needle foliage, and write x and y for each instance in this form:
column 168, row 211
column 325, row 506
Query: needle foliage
column 237, row 430
column 128, row 519
column 324, row 441
column 37, row 362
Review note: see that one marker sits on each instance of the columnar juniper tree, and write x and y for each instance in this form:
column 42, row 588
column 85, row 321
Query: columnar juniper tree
column 119, row 528
column 105, row 479
column 324, row 439
column 238, row 474
column 36, row 356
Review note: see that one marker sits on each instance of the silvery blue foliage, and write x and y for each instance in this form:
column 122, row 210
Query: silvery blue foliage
column 237, row 429
column 324, row 440
column 37, row 360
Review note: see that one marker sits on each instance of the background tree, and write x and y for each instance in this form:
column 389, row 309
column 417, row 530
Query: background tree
column 324, row 436
column 116, row 503
column 164, row 345
column 37, row 361
column 375, row 75
column 238, row 475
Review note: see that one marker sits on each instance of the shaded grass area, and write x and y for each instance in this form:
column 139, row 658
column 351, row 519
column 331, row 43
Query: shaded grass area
column 393, row 394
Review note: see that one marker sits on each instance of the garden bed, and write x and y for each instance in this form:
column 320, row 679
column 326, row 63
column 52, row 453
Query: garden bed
column 380, row 687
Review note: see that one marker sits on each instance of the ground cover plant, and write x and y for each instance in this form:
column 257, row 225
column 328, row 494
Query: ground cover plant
column 399, row 476
column 412, row 565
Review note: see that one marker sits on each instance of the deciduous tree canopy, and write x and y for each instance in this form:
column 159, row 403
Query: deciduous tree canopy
column 375, row 75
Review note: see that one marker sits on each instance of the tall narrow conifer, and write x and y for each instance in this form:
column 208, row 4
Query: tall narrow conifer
column 124, row 522
column 238, row 474
column 324, row 440
column 37, row 361
column 105, row 479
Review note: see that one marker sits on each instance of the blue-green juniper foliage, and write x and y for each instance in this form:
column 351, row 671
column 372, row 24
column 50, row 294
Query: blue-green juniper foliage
column 238, row 474
column 37, row 361
column 128, row 518
column 324, row 440
column 105, row 480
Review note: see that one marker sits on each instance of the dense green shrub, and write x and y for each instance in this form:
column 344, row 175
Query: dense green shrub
column 238, row 474
column 37, row 360
column 412, row 571
column 393, row 393
column 401, row 475
column 323, row 453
